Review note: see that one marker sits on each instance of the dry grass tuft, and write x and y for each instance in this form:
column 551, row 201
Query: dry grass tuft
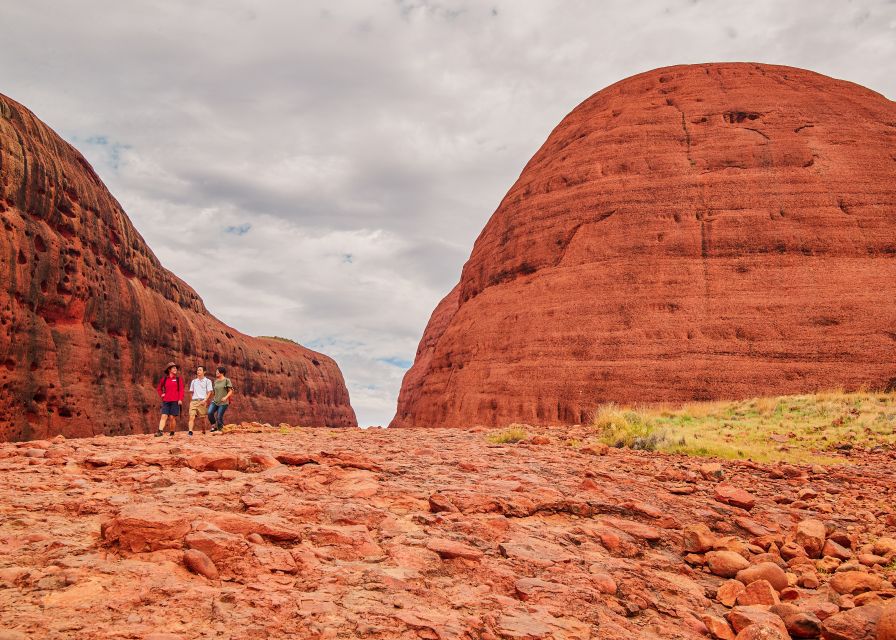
column 623, row 427
column 804, row 428
column 511, row 435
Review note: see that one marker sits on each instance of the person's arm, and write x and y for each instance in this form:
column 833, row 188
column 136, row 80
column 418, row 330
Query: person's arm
column 210, row 388
column 183, row 391
column 229, row 393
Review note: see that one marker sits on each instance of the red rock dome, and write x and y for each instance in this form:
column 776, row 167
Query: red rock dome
column 694, row 232
column 89, row 317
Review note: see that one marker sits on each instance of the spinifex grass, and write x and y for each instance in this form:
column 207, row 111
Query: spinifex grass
column 804, row 428
column 511, row 435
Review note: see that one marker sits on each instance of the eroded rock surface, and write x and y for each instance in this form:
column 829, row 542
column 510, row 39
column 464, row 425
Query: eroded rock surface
column 89, row 317
column 690, row 233
column 383, row 534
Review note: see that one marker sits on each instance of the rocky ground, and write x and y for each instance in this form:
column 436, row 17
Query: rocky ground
column 315, row 533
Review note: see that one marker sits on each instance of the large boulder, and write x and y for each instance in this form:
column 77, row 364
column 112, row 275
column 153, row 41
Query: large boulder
column 88, row 310
column 689, row 233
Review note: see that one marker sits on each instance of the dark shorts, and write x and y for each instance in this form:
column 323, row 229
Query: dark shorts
column 170, row 408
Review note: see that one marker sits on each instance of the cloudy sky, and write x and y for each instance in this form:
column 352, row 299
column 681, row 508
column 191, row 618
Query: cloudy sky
column 329, row 164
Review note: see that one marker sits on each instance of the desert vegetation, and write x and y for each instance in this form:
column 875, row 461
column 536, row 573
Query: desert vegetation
column 511, row 435
column 818, row 427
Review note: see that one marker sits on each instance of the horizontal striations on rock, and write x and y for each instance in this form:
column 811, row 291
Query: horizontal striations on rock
column 89, row 317
column 694, row 232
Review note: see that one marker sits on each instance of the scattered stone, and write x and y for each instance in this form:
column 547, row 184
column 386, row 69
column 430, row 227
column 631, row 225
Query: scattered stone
column 734, row 496
column 811, row 536
column 198, row 562
column 768, row 571
column 295, row 459
column 870, row 559
column 884, row 547
column 698, row 538
column 439, row 503
column 717, row 627
column 712, row 471
column 758, row 592
column 264, row 460
column 726, row 564
column 854, row 582
column 452, row 549
column 596, row 449
column 808, row 580
column 728, row 592
column 833, row 549
column 743, row 617
column 802, row 625
column 859, row 623
column 762, row 632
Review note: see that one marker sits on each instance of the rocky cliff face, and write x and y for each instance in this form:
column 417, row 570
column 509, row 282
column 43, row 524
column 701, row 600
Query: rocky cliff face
column 89, row 317
column 694, row 232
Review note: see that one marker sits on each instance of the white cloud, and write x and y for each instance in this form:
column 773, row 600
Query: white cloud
column 357, row 148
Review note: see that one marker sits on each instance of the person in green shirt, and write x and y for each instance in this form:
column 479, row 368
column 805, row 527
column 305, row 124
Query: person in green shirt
column 218, row 405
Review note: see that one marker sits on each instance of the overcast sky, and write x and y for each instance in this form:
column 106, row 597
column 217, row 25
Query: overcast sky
column 329, row 164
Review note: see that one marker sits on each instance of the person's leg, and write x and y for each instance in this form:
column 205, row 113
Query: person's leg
column 212, row 409
column 197, row 409
column 163, row 420
column 219, row 419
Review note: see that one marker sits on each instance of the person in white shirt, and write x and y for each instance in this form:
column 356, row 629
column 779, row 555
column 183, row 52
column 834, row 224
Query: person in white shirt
column 202, row 391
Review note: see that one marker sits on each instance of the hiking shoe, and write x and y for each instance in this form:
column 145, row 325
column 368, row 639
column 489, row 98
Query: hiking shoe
column 189, row 433
column 171, row 433
column 159, row 433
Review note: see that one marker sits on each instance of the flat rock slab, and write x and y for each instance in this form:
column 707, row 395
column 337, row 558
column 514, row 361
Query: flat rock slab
column 352, row 531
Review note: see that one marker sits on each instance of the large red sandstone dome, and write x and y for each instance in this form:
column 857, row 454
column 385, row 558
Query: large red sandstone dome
column 89, row 317
column 694, row 232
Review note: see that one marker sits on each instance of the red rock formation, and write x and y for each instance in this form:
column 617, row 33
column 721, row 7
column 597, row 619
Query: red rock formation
column 88, row 316
column 694, row 232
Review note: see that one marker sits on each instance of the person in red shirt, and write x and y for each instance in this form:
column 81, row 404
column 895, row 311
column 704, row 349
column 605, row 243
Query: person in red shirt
column 171, row 391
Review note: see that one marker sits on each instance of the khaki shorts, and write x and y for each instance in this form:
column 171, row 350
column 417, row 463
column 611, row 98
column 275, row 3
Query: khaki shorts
column 198, row 408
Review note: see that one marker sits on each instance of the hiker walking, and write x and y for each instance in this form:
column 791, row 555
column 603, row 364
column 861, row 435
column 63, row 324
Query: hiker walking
column 171, row 391
column 202, row 390
column 223, row 391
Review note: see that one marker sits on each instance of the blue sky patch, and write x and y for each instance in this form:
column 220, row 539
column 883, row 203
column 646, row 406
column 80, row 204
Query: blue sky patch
column 401, row 363
column 238, row 230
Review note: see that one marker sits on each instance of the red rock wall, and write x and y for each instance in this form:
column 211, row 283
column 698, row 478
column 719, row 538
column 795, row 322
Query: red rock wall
column 88, row 316
column 694, row 232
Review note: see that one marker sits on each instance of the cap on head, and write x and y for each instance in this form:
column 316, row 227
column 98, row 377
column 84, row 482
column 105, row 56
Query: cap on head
column 169, row 366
